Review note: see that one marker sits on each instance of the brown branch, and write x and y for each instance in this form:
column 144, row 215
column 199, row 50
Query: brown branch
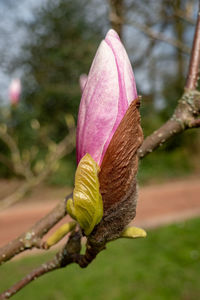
column 62, row 149
column 17, row 162
column 161, row 37
column 192, row 78
column 31, row 238
column 17, row 195
column 184, row 16
column 183, row 118
column 188, row 107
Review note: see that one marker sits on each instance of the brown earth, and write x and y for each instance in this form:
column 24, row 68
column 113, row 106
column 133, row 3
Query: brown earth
column 157, row 205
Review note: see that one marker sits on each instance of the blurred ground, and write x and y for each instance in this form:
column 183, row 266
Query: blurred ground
column 157, row 205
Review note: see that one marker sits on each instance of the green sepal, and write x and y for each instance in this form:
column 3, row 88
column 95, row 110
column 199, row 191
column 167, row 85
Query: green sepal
column 86, row 206
column 133, row 232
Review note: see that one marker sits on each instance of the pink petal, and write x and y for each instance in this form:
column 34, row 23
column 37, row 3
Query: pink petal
column 109, row 90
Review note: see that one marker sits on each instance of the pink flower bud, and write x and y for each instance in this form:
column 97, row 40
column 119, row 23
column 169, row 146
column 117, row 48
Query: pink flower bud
column 109, row 91
column 15, row 91
column 82, row 81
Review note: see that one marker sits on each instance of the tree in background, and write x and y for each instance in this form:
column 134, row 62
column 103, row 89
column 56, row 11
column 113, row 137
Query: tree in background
column 60, row 42
column 62, row 38
column 60, row 45
column 161, row 52
column 33, row 133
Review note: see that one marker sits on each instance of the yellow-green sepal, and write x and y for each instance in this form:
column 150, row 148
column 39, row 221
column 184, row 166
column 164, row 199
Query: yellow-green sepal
column 133, row 232
column 86, row 206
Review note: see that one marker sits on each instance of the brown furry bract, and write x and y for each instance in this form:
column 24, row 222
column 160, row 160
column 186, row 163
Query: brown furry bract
column 118, row 176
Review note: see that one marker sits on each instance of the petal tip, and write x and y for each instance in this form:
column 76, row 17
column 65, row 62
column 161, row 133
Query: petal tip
column 112, row 33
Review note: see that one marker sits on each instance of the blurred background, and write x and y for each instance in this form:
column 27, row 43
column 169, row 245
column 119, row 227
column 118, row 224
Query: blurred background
column 45, row 47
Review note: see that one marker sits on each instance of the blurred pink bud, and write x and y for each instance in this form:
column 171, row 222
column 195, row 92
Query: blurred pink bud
column 82, row 81
column 109, row 91
column 15, row 91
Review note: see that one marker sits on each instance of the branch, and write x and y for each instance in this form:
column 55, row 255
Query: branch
column 161, row 37
column 15, row 154
column 60, row 150
column 183, row 118
column 32, row 237
column 17, row 195
column 188, row 108
column 184, row 16
column 148, row 52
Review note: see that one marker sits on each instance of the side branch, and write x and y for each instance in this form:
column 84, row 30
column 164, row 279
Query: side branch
column 184, row 16
column 158, row 137
column 184, row 117
column 32, row 237
column 160, row 37
column 187, row 112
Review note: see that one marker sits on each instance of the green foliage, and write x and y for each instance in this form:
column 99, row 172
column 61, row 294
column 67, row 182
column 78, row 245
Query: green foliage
column 165, row 265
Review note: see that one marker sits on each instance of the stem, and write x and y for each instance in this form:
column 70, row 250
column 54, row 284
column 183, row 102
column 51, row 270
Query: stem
column 192, row 78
